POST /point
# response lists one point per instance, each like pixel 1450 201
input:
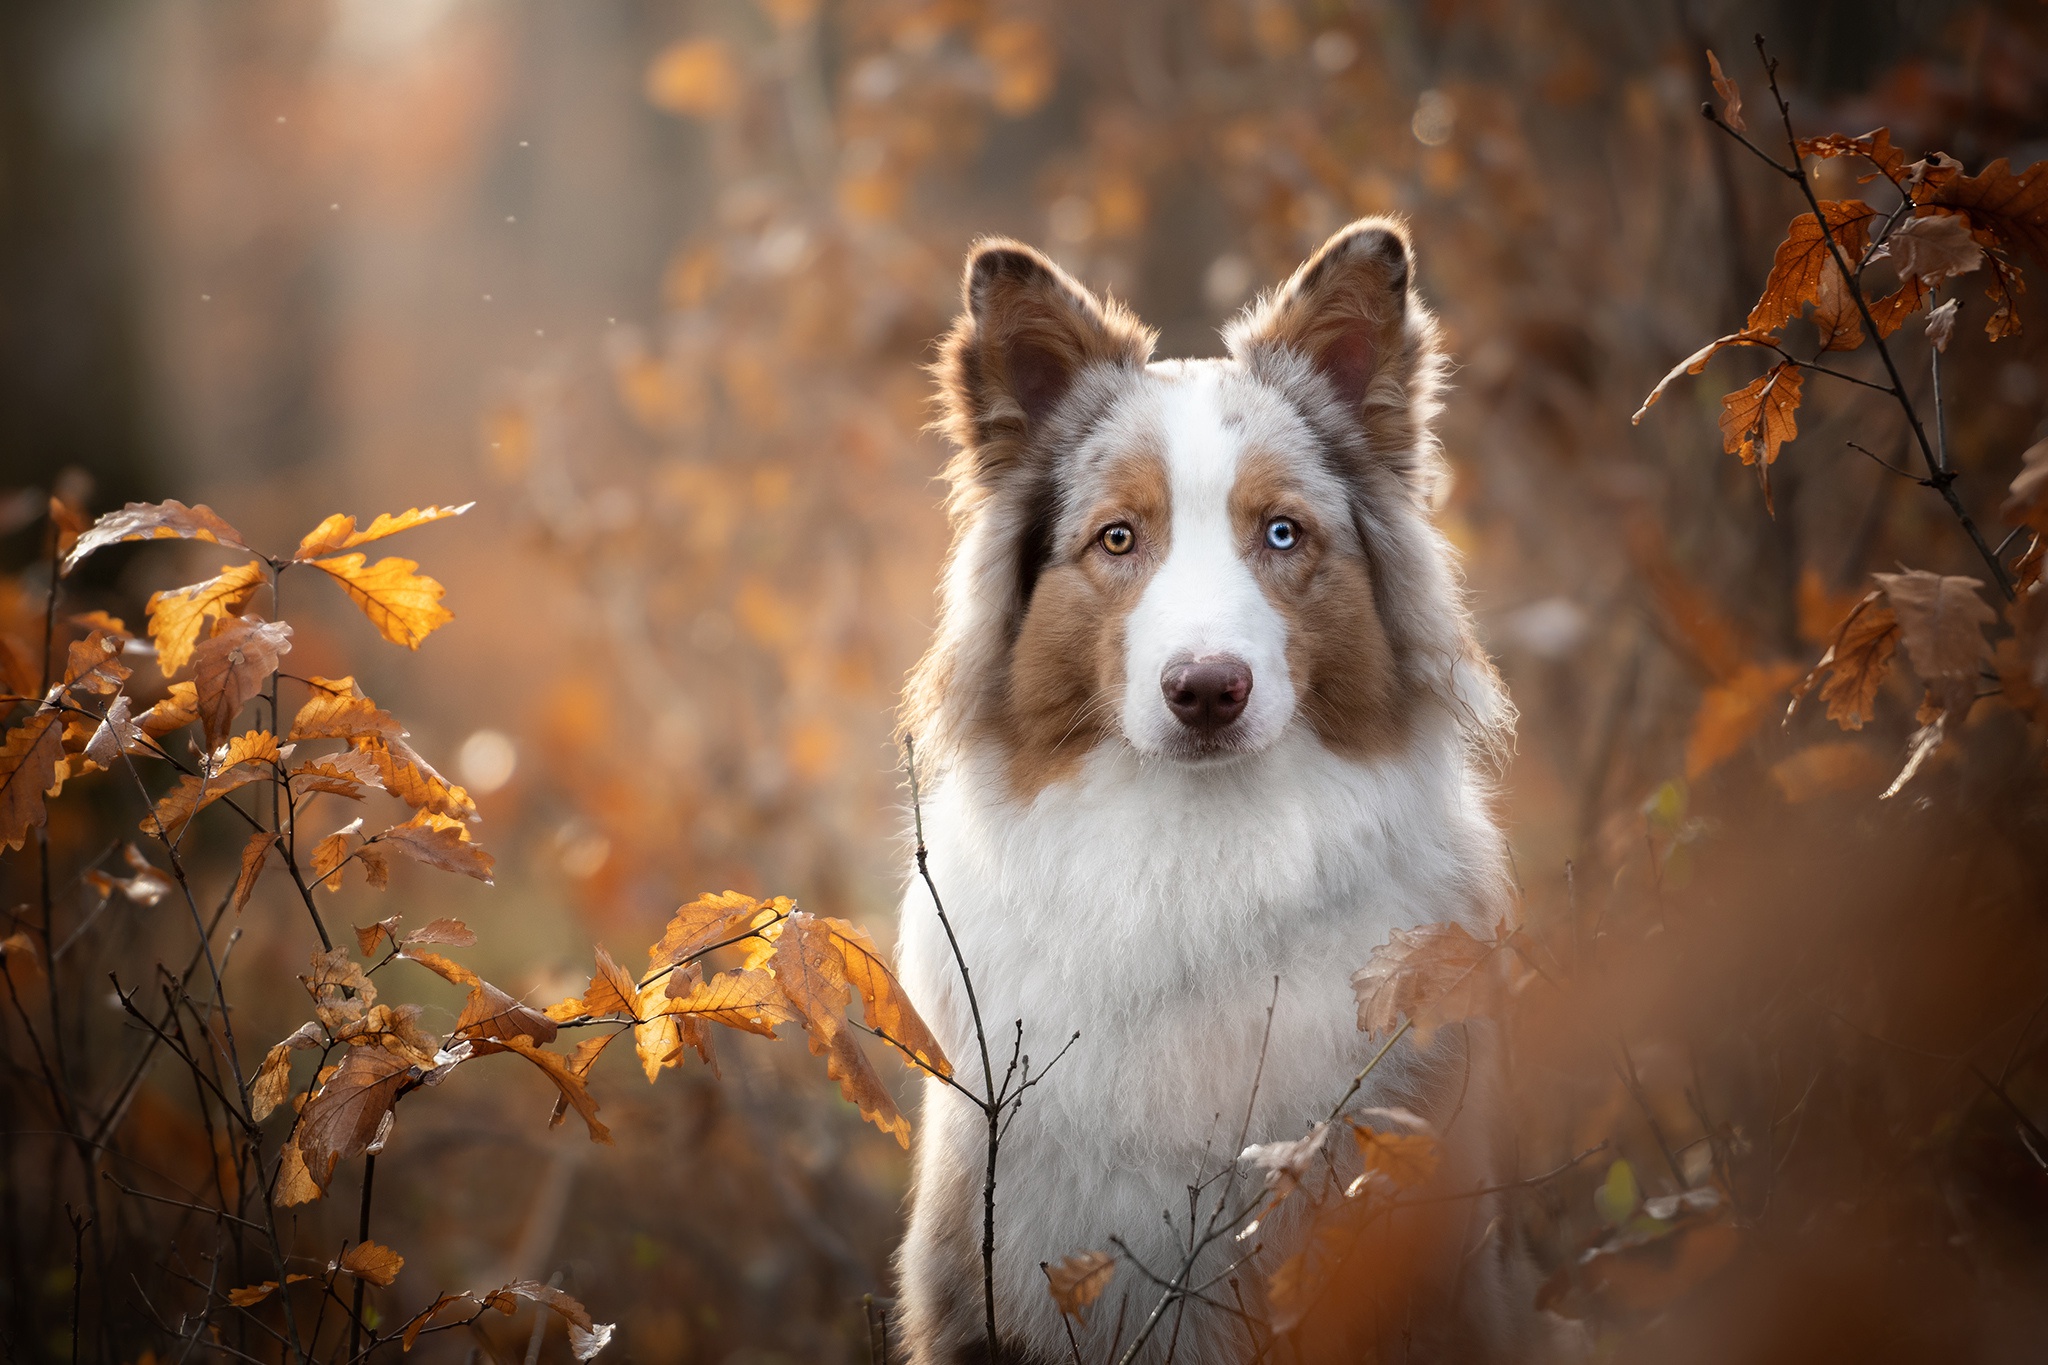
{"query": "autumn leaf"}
pixel 274 1078
pixel 413 780
pixel 1875 146
pixel 1283 1165
pixel 586 1338
pixel 436 841
pixel 1856 663
pixel 749 999
pixel 1835 316
pixel 295 1184
pixel 1941 622
pixel 1941 325
pixel 344 1115
pixel 251 1295
pixel 1078 1280
pixel 1795 276
pixel 330 853
pixel 115 735
pixel 611 991
pixel 146 887
pixel 662 1033
pixel 339 532
pixel 1731 95
pixel 177 710
pixel 247 758
pixel 491 1017
pixel 351 773
pixel 368 1261
pixel 832 949
pixel 446 968
pixel 1695 363
pixel 568 1082
pixel 1763 412
pixel 28 769
pixel 1407 1160
pixel 369 936
pixel 581 1059
pixel 710 919
pixel 848 1065
pixel 1434 974
pixel 1931 249
pixel 167 520
pixel 336 710
pixel 2014 208
pixel 1891 311
pixel 177 616
pixel 229 669
pixel 426 1316
pixel 340 989
pixel 404 606
pixel 93 665
pixel 1821 610
pixel 450 931
pixel 1732 711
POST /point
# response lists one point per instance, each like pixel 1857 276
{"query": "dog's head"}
pixel 1192 557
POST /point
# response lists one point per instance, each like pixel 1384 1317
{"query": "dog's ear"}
pixel 1346 312
pixel 1027 330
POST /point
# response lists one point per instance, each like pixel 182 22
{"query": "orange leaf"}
pixel 167 520
pixel 343 1117
pixel 1764 411
pixel 1407 1159
pixel 749 999
pixel 403 605
pixel 814 950
pixel 490 1017
pixel 711 918
pixel 413 780
pixel 336 710
pixel 28 769
pixel 1730 93
pixel 177 710
pixel 568 1082
pixel 447 968
pixel 1856 663
pixel 1795 275
pixel 611 991
pixel 295 1184
pixel 1078 1280
pixel 439 842
pixel 1434 974
pixel 229 669
pixel 339 532
pixel 254 853
pixel 254 1294
pixel 368 1261
pixel 178 616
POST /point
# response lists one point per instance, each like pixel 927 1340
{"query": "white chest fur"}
pixel 1150 907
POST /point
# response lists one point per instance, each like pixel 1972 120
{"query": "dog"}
pixel 1204 709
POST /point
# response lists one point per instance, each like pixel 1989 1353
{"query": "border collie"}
pixel 1204 709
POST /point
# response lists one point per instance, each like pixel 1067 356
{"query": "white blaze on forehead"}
pixel 1203 601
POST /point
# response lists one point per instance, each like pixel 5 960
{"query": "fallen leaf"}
pixel 404 606
pixel 1762 413
pixel 166 520
pixel 178 616
pixel 28 769
pixel 369 1261
pixel 339 532
pixel 230 668
pixel 1434 974
pixel 1795 276
pixel 1078 1280
pixel 1730 93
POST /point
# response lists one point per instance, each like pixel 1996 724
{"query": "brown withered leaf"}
pixel 1763 414
pixel 749 999
pixel 273 1083
pixel 568 1082
pixel 1834 312
pixel 254 854
pixel 1891 311
pixel 1941 325
pixel 166 520
pixel 178 616
pixel 1795 275
pixel 115 735
pixel 660 1036
pixel 1877 146
pixel 1695 363
pixel 1831 766
pixel 1078 1280
pixel 1931 249
pixel 586 1338
pixel 230 668
pixel 411 779
pixel 491 1017
pixel 1732 711
pixel 247 758
pixel 333 851
pixel 439 842
pixel 821 958
pixel 1941 622
pixel 1856 663
pixel 426 1316
pixel 1730 93
pixel 369 1261
pixel 2011 207
pixel 28 769
pixel 70 521
pixel 351 773
pixel 341 990
pixel 251 1295
pixel 404 606
pixel 450 931
pixel 711 918
pixel 1282 1165
pixel 368 936
pixel 295 1184
pixel 179 708
pixel 342 1118
pixel 1408 1160
pixel 446 968
pixel 612 990
pixel 336 710
pixel 848 1065
pixel 93 665
pixel 339 532
pixel 581 1058
pixel 1434 974
pixel 146 886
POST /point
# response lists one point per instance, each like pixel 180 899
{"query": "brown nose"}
pixel 1207 694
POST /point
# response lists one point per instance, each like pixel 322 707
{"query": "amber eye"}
pixel 1118 539
pixel 1282 533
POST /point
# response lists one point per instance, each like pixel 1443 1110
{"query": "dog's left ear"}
pixel 1348 315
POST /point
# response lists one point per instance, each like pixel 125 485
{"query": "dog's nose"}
pixel 1207 694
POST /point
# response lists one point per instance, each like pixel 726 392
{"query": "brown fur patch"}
pixel 1345 678
pixel 1066 681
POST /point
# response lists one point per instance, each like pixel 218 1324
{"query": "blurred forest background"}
pixel 652 281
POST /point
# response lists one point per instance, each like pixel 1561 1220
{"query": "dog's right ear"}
pixel 1027 330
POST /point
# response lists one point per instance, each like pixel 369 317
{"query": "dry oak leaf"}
pixel 586 1338
pixel 1078 1280
pixel 446 968
pixel 436 841
pixel 1891 311
pixel 274 1079
pixel 179 708
pixel 345 1115
pixel 709 920
pixel 250 1295
pixel 749 999
pixel 581 1058
pixel 426 1316
pixel 2014 208
pixel 28 769
pixel 1875 145
pixel 336 710
pixel 369 1261
pixel 146 887
pixel 340 989
pixel 351 773
pixel 178 616
pixel 1931 249
pixel 404 606
pixel 490 1017
pixel 611 991
pixel 567 1081
pixel 166 520
pixel 295 1184
pixel 411 779
pixel 116 735
pixel 450 931
pixel 1408 1160
pixel 1835 316
pixel 1856 663
pixel 1730 93
pixel 1763 413
pixel 1941 325
pixel 1434 974
pixel 339 532
pixel 1795 276
pixel 1941 622
pixel 396 1029
pixel 661 1034
pixel 247 758
pixel 332 852
pixel 848 1065
pixel 229 669
pixel 368 936
pixel 1831 766
pixel 1732 711
pixel 820 959
pixel 93 665
pixel 1697 362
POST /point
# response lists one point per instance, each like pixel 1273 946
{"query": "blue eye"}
pixel 1282 533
